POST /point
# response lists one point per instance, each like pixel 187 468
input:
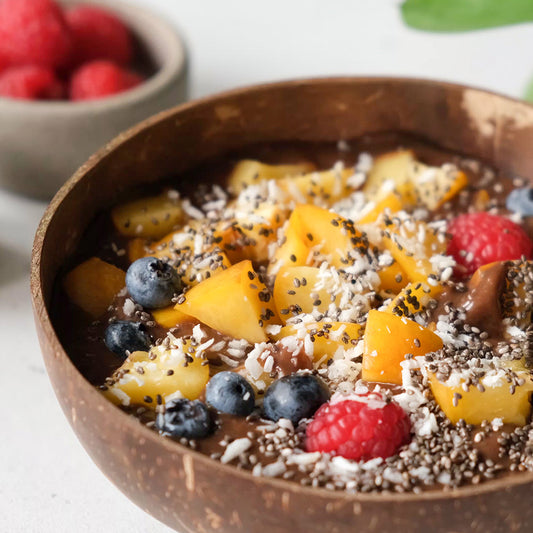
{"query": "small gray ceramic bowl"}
pixel 42 143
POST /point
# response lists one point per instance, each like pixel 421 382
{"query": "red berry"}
pixel 482 238
pixel 99 79
pixel 359 429
pixel 98 34
pixel 33 32
pixel 30 83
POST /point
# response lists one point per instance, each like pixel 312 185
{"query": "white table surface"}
pixel 47 481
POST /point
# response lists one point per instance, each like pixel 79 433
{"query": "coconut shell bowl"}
pixel 183 488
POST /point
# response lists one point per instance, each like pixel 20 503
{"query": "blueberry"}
pixel 185 418
pixel 152 283
pixel 131 336
pixel 229 392
pixel 521 201
pixel 294 397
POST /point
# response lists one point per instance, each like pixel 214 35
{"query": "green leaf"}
pixel 465 15
pixel 528 94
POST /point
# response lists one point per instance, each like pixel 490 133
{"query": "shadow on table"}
pixel 13 264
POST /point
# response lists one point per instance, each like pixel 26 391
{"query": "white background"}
pixel 47 482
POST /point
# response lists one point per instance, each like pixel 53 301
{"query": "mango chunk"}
pixel 321 188
pixel 136 249
pixel 144 376
pixel 390 202
pixel 413 243
pixel 387 340
pixel 93 285
pixel 413 299
pixel 474 406
pixel 234 301
pixel 251 172
pixel 170 317
pixel 295 292
pixel 434 186
pixel 252 233
pixel 393 278
pixel 393 168
pixel 326 338
pixel 150 217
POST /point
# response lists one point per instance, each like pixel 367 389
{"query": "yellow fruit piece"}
pixel 252 233
pixel 391 167
pixel 234 302
pixel 150 217
pixel 326 338
pixel 412 243
pixel 295 292
pixel 435 186
pixel 474 406
pixel 390 201
pixel 393 278
pixel 322 188
pixel 250 172
pixel 93 285
pixel 169 317
pixel 388 339
pixel 164 372
pixel 413 299
pixel 202 267
pixel 136 249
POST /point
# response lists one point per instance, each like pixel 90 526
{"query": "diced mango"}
pixel 412 243
pixel 150 217
pixel 393 278
pixel 253 233
pixel 321 188
pixel 394 167
pixel 390 202
pixel 164 372
pixel 169 317
pixel 327 338
pixel 388 339
pixel 250 172
pixel 435 186
pixel 235 302
pixel 413 299
pixel 93 285
pixel 295 292
pixel 474 406
pixel 136 249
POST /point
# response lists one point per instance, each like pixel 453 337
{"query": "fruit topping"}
pixel 294 397
pixel 228 392
pixel 93 285
pixel 362 427
pixel 30 83
pixel 34 32
pixel 98 34
pixel 152 283
pixel 124 337
pixel 481 238
pixel 520 201
pixel 185 419
pixel 99 79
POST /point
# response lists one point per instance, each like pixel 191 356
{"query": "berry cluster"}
pixel 47 53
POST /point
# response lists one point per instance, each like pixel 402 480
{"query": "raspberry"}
pixel 30 83
pixel 359 429
pixel 98 34
pixel 99 79
pixel 33 32
pixel 482 238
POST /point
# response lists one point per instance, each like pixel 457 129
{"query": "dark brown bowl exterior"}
pixel 189 491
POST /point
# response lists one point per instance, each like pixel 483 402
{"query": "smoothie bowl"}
pixel 302 306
